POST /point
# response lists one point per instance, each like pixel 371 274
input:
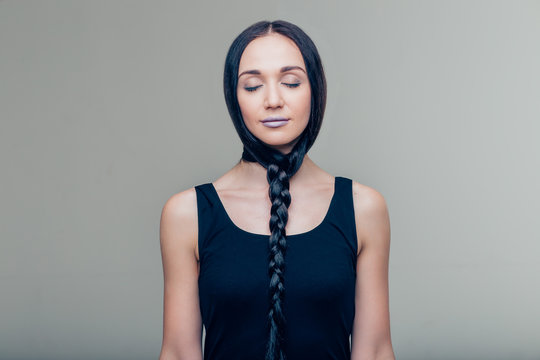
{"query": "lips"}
pixel 275 121
pixel 274 118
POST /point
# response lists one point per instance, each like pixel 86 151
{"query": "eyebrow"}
pixel 282 70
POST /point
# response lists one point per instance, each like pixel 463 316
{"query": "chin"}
pixel 282 146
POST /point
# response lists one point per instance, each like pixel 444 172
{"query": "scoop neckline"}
pixel 237 228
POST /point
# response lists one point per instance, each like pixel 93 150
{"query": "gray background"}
pixel 110 107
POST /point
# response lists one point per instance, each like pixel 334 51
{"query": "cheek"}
pixel 303 102
pixel 245 106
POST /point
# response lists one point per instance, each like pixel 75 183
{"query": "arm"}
pixel 182 324
pixel 370 338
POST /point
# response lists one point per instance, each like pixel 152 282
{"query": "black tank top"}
pixel 319 281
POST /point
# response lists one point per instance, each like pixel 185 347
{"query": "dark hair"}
pixel 280 167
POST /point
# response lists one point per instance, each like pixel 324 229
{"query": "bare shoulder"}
pixel 371 216
pixel 178 225
pixel 367 199
pixel 181 204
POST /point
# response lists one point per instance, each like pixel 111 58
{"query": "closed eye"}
pixel 292 85
pixel 252 88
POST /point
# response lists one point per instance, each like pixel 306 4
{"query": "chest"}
pixel 251 211
pixel 320 270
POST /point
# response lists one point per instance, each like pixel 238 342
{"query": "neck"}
pixel 254 174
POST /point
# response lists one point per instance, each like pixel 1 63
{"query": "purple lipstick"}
pixel 275 121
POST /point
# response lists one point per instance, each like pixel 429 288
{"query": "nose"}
pixel 273 98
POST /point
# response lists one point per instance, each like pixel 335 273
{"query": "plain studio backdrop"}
pixel 110 107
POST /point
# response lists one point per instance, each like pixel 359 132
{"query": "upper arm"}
pixel 182 324
pixel 371 328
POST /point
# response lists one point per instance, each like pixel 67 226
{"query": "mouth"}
pixel 274 118
pixel 275 121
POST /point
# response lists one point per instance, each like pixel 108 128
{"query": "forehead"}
pixel 270 52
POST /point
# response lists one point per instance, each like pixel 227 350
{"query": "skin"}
pixel 243 191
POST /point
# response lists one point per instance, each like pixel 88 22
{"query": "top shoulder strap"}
pixel 343 214
pixel 210 218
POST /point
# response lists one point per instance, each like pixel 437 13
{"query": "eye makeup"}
pixel 252 88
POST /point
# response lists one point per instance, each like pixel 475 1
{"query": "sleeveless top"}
pixel 319 281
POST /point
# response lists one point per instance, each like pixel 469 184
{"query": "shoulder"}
pixel 371 216
pixel 367 200
pixel 182 204
pixel 178 225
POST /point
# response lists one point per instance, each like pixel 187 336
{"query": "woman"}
pixel 278 258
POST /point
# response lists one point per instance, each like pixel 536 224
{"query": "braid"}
pixel 280 198
pixel 279 169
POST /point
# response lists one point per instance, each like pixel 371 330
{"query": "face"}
pixel 273 84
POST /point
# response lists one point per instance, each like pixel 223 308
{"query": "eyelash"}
pixel 251 89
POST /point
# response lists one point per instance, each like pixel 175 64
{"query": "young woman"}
pixel 278 258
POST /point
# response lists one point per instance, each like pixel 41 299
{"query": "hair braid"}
pixel 280 167
pixel 280 198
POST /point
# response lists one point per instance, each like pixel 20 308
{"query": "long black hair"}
pixel 280 167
